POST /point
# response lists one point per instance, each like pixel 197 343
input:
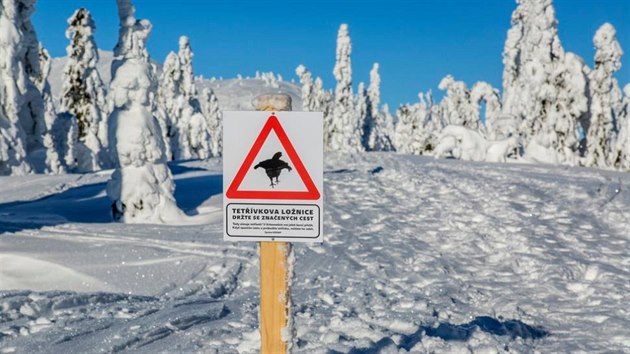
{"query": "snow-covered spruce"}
pixel 22 126
pixel 532 49
pixel 186 129
pixel 605 95
pixel 308 88
pixel 52 145
pixel 197 137
pixel 544 88
pixel 83 93
pixel 362 110
pixel 212 113
pixel 378 128
pixel 456 106
pixel 142 186
pixel 620 157
pixel 316 99
pixel 344 129
pixel 416 126
pixel 168 92
pixel 566 103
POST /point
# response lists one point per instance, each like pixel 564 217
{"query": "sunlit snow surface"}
pixel 420 255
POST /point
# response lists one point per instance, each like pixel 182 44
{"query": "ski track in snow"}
pixel 420 255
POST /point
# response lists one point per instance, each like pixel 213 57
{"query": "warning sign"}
pixel 273 176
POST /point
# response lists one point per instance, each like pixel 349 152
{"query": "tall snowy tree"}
pixel 167 101
pixel 379 131
pixel 362 110
pixel 212 112
pixel 457 107
pixel 605 94
pixel 52 139
pixel 187 132
pixel 532 51
pixel 308 88
pixel 345 131
pixel 83 92
pixel 142 186
pixel 22 122
pixel 543 88
pixel 194 130
pixel 620 157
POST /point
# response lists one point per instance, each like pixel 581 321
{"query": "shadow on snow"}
pixel 461 332
pixel 90 204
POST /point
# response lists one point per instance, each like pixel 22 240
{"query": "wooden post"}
pixel 274 266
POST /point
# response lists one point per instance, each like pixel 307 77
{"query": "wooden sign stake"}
pixel 274 267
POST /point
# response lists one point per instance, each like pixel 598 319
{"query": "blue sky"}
pixel 416 43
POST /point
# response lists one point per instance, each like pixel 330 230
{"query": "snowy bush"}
pixel 467 144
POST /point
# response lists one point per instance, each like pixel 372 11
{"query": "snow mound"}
pixel 21 272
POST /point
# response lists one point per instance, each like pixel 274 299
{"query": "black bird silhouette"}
pixel 273 167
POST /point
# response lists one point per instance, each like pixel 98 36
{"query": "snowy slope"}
pixel 233 94
pixel 419 255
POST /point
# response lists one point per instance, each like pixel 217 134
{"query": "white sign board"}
pixel 273 176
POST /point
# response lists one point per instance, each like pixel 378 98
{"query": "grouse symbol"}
pixel 273 167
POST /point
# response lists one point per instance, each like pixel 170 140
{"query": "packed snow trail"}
pixel 420 255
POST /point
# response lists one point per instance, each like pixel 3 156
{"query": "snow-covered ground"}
pixel 420 255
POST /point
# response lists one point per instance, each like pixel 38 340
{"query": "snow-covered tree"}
pixel 83 92
pixel 484 92
pixel 605 94
pixel 308 89
pixel 185 54
pixel 178 103
pixel 212 112
pixel 544 88
pixel 22 123
pixel 565 103
pixel 52 163
pixel 416 128
pixel 530 56
pixel 142 186
pixel 620 157
pixel 379 131
pixel 457 107
pixel 199 140
pixel 344 130
pixel 168 93
pixel 316 99
pixel 193 132
pixel 362 110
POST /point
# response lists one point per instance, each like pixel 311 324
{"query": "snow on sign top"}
pixel 273 176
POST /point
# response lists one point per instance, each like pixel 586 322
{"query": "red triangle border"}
pixel 311 192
